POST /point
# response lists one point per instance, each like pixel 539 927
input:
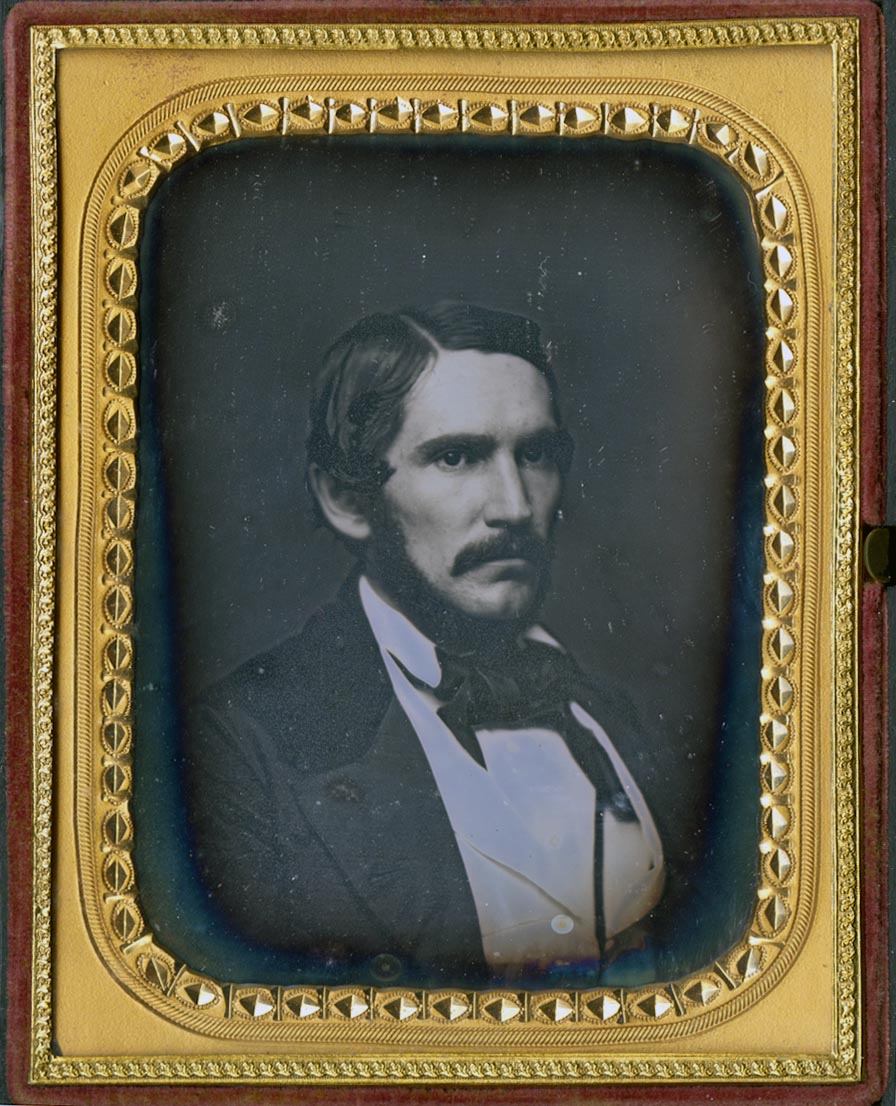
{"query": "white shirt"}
pixel 525 822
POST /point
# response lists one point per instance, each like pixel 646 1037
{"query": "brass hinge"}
pixel 880 554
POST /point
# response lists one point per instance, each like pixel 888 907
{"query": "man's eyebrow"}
pixel 482 444
pixel 432 447
pixel 545 434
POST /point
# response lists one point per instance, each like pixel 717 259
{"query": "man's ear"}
pixel 342 507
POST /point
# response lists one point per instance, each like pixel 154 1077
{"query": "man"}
pixel 422 787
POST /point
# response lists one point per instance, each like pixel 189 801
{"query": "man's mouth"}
pixel 508 568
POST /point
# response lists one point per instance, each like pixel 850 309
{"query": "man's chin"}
pixel 504 598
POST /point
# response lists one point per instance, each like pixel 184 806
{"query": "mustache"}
pixel 507 546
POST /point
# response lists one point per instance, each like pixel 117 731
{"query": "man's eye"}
pixel 452 458
pixel 534 454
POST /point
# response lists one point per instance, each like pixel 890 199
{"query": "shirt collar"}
pixel 399 636
pixel 396 634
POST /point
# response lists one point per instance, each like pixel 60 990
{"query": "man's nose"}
pixel 508 502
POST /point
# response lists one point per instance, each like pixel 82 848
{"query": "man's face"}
pixel 471 503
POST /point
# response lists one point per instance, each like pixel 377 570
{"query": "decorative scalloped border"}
pixel 199 1002
pixel 775 210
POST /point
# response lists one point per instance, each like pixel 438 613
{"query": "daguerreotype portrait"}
pixel 448 442
pixel 402 728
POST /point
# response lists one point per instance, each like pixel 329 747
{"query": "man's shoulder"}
pixel 323 689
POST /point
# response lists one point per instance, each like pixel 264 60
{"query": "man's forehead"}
pixel 475 392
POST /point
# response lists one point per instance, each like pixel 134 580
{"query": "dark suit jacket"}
pixel 317 822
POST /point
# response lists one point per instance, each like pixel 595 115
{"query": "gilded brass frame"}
pixel 500 1036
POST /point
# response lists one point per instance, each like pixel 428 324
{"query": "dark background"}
pixel 640 262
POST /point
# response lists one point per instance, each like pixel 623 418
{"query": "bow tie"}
pixel 528 685
pixel 521 685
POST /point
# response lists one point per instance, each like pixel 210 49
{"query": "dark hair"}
pixel 358 401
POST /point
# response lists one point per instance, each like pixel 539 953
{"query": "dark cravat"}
pixel 528 685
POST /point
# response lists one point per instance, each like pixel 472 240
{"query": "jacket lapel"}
pixel 384 824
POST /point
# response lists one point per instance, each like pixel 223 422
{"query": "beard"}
pixel 434 613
